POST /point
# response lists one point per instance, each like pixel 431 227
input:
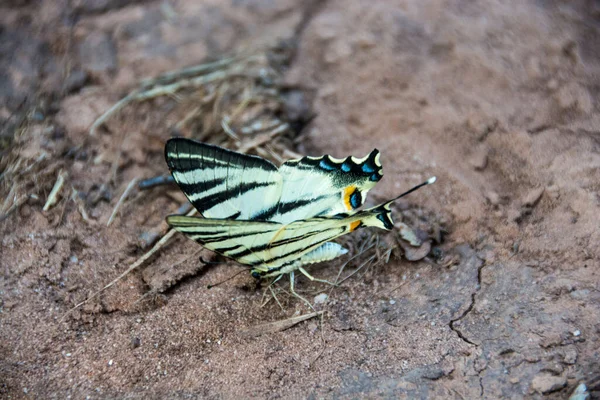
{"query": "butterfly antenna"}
pixel 427 182
pixel 225 280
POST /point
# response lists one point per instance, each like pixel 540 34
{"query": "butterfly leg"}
pixel 292 279
pixel 312 278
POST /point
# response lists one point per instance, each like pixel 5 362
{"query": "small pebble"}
pixel 321 298
pixel 545 383
pixel 392 302
pixel 478 159
pixel 135 342
pixel 576 333
pixel 493 197
pixel 533 196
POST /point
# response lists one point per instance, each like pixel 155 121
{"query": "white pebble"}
pixel 321 298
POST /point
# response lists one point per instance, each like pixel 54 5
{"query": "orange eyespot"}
pixel 347 197
pixel 354 225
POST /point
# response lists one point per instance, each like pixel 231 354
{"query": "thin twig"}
pixel 227 129
pixel 128 189
pixel 108 113
pixel 55 190
pixel 278 326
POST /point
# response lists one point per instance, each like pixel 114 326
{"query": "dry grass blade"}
pixel 53 196
pixel 129 188
pixel 172 82
pixel 278 326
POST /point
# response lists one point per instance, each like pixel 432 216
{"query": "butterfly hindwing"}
pixel 269 246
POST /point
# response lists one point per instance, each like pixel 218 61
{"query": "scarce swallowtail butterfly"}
pixel 275 220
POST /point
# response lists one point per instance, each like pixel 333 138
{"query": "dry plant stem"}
pixel 80 205
pixel 129 188
pixel 263 139
pixel 337 281
pixel 16 204
pixel 368 260
pixel 55 190
pixel 161 90
pixel 133 266
pixel 279 326
pixel 189 72
pixel 108 113
pixel 227 129
pixel 275 297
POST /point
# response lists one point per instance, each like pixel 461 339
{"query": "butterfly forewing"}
pixel 221 183
pixel 224 184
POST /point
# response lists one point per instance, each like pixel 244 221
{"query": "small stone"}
pixel 575 97
pixel 478 159
pixel 580 393
pixel 581 294
pixel 533 68
pixel 110 363
pixel 577 333
pixel 545 383
pixel 553 191
pixel 514 215
pixel 135 342
pixel 412 253
pixel 514 380
pixel 408 234
pixel 570 355
pixel 392 302
pixel 551 340
pixel 321 298
pixel 533 197
pixel 493 198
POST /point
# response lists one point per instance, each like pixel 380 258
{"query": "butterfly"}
pixel 274 220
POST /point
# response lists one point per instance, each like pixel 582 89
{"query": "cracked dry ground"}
pixel 499 100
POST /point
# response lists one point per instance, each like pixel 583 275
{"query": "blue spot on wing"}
pixel 346 167
pixel 324 164
pixel 375 177
pixel 367 168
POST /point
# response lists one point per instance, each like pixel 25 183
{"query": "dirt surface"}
pixel 500 100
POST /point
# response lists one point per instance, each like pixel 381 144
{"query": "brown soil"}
pixel 500 100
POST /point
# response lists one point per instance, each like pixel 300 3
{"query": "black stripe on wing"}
pixel 283 208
